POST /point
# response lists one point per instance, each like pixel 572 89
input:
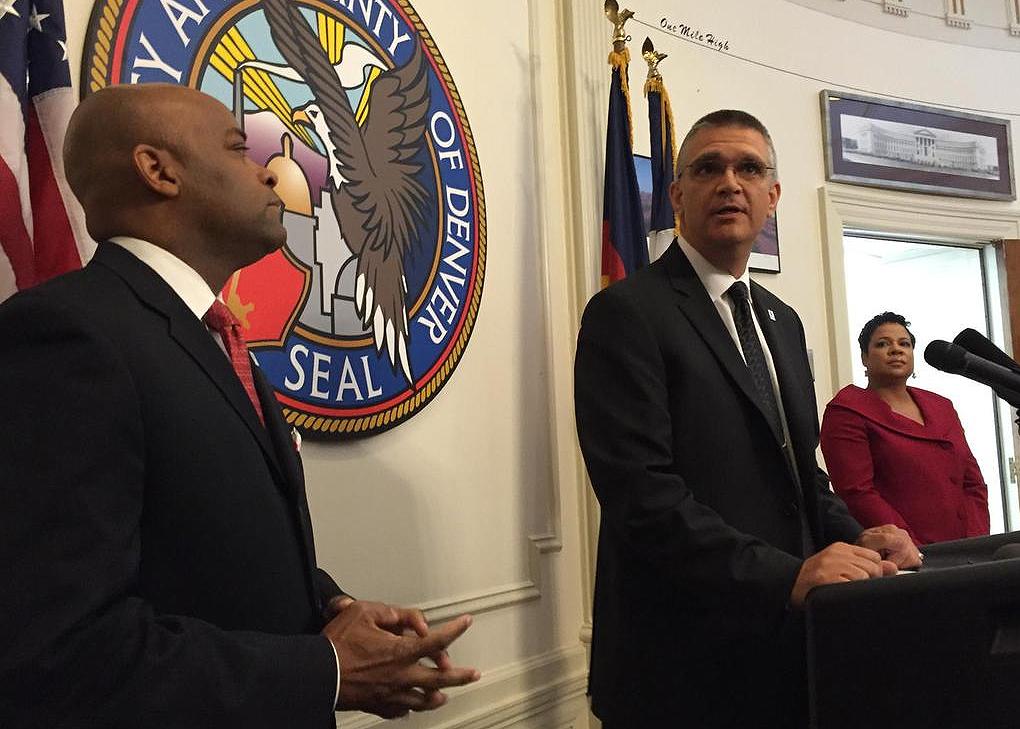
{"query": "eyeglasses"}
pixel 747 170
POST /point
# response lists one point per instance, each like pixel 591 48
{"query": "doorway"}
pixel 941 288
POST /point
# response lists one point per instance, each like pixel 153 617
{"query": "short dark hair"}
pixel 886 317
pixel 729 118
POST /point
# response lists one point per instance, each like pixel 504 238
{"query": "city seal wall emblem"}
pixel 364 314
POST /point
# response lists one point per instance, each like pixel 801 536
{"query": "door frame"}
pixel 916 217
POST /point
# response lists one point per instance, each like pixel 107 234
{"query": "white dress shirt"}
pixel 182 278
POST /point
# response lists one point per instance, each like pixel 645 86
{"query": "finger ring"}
pixel 920 556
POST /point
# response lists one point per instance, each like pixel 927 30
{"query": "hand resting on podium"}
pixel 879 551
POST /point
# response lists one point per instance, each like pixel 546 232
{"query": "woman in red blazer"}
pixel 897 454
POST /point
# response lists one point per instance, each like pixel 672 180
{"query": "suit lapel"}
pixel 784 342
pixel 782 345
pixel 294 480
pixel 867 404
pixel 279 435
pixel 191 335
pixel 704 317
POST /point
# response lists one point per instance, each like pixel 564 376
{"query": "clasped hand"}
pixel 878 551
pixel 380 649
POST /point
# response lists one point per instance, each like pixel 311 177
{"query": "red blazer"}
pixel 890 470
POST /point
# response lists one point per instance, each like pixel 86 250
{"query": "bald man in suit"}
pixel 156 549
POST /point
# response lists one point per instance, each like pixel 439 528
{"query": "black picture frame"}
pixel 905 146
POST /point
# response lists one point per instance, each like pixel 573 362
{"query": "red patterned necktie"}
pixel 220 319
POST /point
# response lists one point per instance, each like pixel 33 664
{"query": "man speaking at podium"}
pixel 156 555
pixel 697 419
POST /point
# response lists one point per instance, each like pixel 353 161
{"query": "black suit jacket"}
pixel 702 521
pixel 157 560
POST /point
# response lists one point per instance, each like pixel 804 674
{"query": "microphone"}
pixel 1006 551
pixel 958 361
pixel 978 344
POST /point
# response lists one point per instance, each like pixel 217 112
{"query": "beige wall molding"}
pixel 1013 14
pixel 896 7
pixel 956 14
pixel 585 79
pixel 500 596
pixel 544 691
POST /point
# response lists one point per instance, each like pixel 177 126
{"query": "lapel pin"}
pixel 772 315
pixel 295 438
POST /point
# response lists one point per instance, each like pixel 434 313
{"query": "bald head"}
pixel 170 165
pixel 103 134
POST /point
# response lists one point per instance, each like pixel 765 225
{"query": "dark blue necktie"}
pixel 755 357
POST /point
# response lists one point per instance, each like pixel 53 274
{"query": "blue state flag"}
pixel 624 246
pixel 662 143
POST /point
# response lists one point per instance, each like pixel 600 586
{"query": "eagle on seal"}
pixel 373 175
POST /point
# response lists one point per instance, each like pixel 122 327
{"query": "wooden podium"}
pixel 939 649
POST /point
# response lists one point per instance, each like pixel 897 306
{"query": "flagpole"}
pixel 624 244
pixel 663 150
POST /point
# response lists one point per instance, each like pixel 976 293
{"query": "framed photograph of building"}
pixel 902 146
pixel 764 253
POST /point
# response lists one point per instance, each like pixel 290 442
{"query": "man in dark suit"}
pixel 698 424
pixel 156 552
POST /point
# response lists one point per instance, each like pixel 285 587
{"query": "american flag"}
pixel 42 227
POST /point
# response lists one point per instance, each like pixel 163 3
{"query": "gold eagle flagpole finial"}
pixel 652 58
pixel 619 19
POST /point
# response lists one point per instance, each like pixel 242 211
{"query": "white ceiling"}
pixel 991 22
